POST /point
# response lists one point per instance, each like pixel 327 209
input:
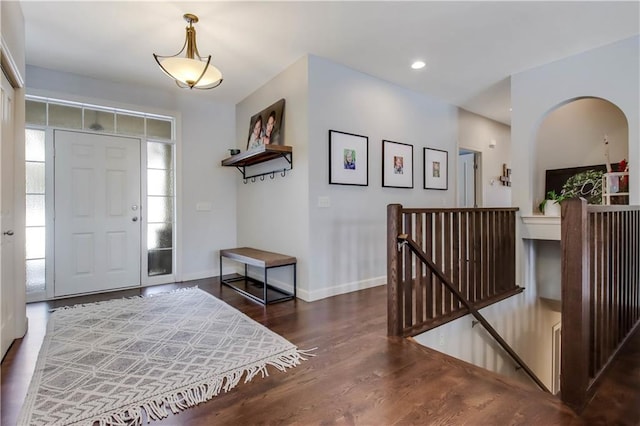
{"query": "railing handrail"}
pixel 459 209
pixel 404 238
pixel 596 208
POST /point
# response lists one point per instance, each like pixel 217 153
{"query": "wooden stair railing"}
pixel 474 247
pixel 404 239
pixel 600 292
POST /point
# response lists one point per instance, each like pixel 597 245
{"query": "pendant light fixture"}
pixel 192 70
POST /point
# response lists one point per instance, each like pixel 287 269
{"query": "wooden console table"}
pixel 259 291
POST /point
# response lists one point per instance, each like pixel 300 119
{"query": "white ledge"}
pixel 540 227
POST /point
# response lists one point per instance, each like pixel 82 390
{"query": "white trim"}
pixel 200 275
pixel 311 296
pixel 15 78
pixel 58 97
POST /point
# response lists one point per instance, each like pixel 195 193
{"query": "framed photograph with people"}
pixel 348 159
pixel 397 164
pixel 267 127
pixel 436 169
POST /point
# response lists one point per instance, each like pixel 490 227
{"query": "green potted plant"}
pixel 550 206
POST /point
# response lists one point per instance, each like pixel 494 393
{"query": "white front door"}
pixel 7 284
pixel 97 212
pixel 466 180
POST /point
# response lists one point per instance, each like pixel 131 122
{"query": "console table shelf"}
pixel 259 155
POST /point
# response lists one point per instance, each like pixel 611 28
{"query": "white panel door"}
pixel 97 212
pixel 7 284
pixel 466 180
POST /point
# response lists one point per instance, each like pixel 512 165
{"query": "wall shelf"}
pixel 260 155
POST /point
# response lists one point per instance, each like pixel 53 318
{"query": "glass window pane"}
pixel 159 235
pixel 34 145
pixel 35 210
pixel 159 209
pixel 158 128
pixel 129 124
pixel 35 275
pixel 159 156
pixel 160 262
pixel 35 242
pixel 35 178
pixel 99 121
pixel 65 116
pixel 36 112
pixel 159 182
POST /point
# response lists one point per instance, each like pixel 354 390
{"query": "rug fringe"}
pixel 180 400
pixel 122 299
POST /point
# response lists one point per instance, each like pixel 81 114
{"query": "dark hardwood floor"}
pixel 358 376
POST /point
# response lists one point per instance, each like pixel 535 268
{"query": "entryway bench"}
pixel 259 291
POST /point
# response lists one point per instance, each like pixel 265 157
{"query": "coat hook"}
pixel 284 173
pixel 253 179
pixel 273 175
pixel 245 181
pixel 262 178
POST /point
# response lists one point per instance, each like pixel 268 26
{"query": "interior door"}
pixel 7 284
pixel 466 180
pixel 97 212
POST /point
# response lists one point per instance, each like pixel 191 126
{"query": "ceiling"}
pixel 471 48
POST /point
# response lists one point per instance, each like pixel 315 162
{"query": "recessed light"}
pixel 418 65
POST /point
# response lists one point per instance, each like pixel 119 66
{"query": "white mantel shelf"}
pixel 540 227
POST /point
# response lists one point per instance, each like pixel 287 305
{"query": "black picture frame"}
pixel 436 169
pixel 397 164
pixel 348 159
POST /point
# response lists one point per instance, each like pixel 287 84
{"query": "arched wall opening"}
pixel 572 135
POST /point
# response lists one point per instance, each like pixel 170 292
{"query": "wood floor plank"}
pixel 359 376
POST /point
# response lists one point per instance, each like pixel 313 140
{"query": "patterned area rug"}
pixel 116 362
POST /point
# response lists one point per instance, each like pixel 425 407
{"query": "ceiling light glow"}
pixel 418 65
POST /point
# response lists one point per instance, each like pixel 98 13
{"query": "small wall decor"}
pixel 397 164
pixel 506 175
pixel 267 127
pixel 436 169
pixel 348 159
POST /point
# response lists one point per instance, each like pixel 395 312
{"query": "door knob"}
pixel 135 218
pixel 9 232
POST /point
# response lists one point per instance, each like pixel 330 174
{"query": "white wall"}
pixel 273 214
pixel 12 28
pixel 348 239
pixel 609 72
pixel 475 132
pixel 206 130
pixel 572 136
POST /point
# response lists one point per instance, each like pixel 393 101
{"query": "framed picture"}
pixel 397 164
pixel 348 159
pixel 436 169
pixel 267 127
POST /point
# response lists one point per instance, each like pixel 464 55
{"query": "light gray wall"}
pixel 12 28
pixel 205 131
pixel 273 214
pixel 609 72
pixel 573 135
pixel 348 239
pixel 475 132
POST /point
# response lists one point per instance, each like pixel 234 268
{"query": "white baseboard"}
pixel 306 295
pixel 198 275
pixel 323 293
